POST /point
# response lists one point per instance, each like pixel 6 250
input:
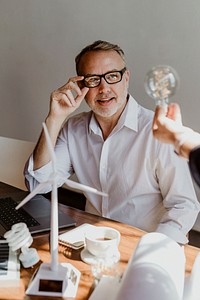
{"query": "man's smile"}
pixel 105 101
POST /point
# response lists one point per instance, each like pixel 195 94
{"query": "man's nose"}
pixel 104 85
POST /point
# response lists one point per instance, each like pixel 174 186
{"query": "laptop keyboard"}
pixel 10 216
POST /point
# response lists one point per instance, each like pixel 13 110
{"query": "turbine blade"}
pixel 50 146
pixel 84 188
pixel 31 195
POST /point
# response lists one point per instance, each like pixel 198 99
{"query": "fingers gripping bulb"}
pixel 18 238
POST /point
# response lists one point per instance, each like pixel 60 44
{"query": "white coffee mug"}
pixel 103 241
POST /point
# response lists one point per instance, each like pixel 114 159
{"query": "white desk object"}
pixel 9 266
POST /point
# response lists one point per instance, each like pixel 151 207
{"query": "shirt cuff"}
pixel 173 233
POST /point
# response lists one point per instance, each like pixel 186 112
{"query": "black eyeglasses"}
pixel 113 77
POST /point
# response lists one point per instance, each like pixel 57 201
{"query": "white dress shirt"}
pixel 149 186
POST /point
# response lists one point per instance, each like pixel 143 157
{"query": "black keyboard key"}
pixel 4 255
pixel 10 216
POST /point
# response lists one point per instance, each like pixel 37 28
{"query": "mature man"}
pixel 111 148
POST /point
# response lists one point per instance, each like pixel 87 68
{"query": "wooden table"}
pixel 129 238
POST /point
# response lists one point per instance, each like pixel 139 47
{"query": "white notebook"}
pixel 75 238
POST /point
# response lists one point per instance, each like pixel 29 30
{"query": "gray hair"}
pixel 98 46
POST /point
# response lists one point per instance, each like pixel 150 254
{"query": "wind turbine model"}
pixel 55 279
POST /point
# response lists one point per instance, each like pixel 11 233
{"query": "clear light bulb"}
pixel 161 83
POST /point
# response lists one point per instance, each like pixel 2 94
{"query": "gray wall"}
pixel 40 38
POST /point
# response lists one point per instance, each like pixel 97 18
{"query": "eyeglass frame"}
pixel 104 77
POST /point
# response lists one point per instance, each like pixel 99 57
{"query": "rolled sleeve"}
pixel 179 200
pixel 33 178
pixel 178 221
pixel 173 232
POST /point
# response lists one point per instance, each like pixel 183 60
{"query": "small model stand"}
pixel 62 282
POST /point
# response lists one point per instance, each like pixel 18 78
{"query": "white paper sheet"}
pixel 155 271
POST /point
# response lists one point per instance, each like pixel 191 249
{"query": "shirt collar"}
pixel 128 118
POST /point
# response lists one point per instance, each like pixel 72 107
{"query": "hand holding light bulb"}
pixel 161 83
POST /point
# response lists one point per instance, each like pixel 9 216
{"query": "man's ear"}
pixel 127 77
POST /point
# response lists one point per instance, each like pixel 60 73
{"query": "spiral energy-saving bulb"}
pixel 19 237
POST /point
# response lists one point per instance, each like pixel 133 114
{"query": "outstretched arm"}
pixel 168 128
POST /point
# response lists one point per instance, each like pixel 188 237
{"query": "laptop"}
pixel 36 213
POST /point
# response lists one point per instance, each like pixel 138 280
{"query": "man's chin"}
pixel 104 113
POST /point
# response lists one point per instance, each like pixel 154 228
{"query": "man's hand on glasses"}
pixel 67 98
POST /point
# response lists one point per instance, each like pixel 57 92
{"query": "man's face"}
pixel 105 100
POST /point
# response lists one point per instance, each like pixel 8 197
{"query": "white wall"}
pixel 14 154
pixel 40 38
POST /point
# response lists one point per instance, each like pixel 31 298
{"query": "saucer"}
pixel 90 259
